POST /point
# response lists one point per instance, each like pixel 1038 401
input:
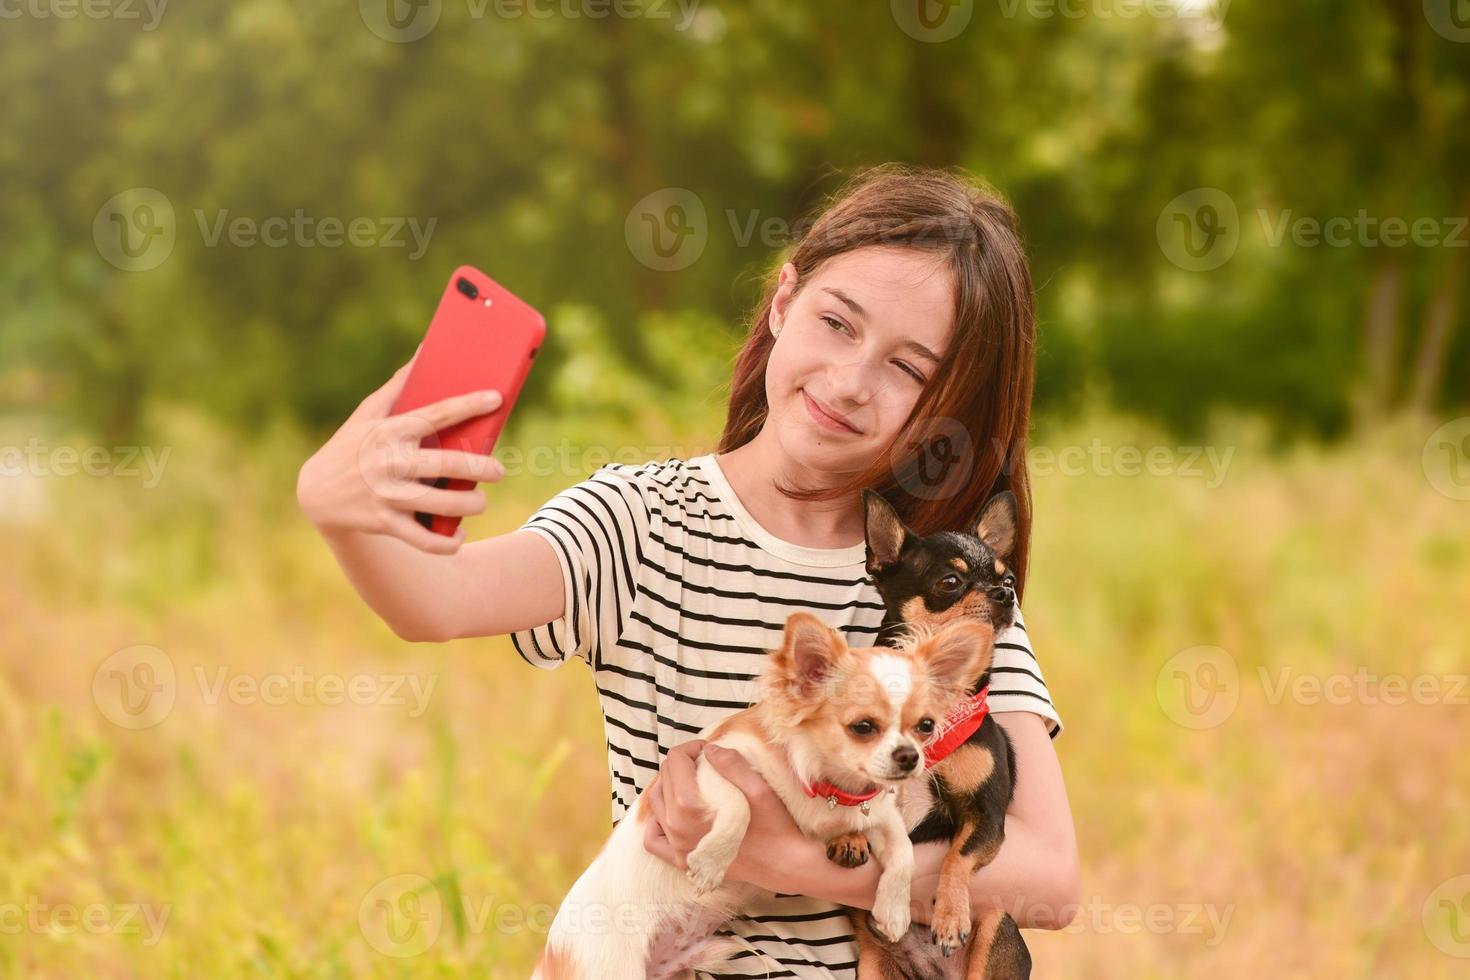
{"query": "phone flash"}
pixel 487 301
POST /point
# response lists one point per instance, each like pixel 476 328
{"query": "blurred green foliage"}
pixel 523 143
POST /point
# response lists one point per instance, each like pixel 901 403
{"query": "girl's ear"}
pixel 997 525
pixel 886 533
pixel 781 300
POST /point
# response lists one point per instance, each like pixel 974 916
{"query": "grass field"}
pixel 1254 792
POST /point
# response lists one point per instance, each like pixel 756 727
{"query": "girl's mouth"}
pixel 824 418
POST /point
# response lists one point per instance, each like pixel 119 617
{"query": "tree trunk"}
pixel 1381 340
pixel 1444 310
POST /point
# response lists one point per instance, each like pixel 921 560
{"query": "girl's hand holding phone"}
pixel 366 477
pixel 405 463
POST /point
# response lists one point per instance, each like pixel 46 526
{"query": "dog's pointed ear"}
pixel 957 654
pixel 886 532
pixel 809 651
pixel 997 525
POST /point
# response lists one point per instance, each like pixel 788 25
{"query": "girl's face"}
pixel 859 341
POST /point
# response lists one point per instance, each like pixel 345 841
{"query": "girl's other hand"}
pixel 680 820
pixel 366 477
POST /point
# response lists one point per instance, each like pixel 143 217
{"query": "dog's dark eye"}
pixel 864 727
pixel 925 726
pixel 949 583
pixel 1009 581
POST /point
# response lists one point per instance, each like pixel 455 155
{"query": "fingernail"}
pixel 491 398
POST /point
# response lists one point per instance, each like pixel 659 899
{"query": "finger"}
pixel 658 844
pixel 404 526
pixel 656 804
pixel 458 465
pixel 650 836
pixel 440 415
pixel 378 404
pixel 658 808
pixel 432 500
pixel 683 775
pixel 734 767
pixel 690 748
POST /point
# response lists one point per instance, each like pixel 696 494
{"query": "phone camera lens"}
pixel 468 288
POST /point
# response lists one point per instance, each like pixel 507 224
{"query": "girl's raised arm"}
pixel 361 490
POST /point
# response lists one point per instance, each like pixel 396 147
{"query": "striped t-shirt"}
pixel 673 596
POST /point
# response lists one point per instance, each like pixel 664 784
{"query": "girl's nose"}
pixel 850 384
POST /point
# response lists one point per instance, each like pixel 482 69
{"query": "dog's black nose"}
pixel 1003 594
pixel 906 756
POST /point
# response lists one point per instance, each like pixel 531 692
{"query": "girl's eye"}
pixel 910 371
pixel 925 726
pixel 907 368
pixel 864 727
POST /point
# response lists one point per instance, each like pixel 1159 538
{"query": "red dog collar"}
pixel 836 797
pixel 957 727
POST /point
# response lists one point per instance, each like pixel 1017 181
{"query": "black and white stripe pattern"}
pixel 673 596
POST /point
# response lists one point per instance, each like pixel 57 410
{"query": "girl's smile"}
pixel 827 418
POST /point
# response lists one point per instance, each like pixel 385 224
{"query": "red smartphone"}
pixel 482 336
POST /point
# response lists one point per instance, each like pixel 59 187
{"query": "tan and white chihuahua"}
pixel 836 732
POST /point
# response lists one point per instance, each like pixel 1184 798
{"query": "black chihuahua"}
pixel 926 582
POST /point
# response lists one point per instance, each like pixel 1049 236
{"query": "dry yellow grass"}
pixel 240 836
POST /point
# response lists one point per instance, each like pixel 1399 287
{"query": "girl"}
pixel 894 350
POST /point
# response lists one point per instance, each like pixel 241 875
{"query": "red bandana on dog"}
pixel 957 727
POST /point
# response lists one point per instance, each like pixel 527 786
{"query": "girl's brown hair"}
pixel 982 391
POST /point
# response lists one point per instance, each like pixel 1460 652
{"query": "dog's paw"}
pixel 848 850
pixel 706 869
pixel 891 915
pixel 949 926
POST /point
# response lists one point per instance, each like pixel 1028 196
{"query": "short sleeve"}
pixel 594 528
pixel 1016 683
